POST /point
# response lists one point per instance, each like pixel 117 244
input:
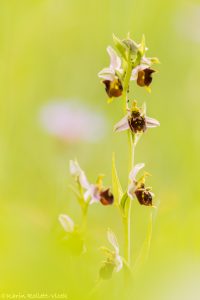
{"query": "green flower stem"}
pixel 127 81
pixel 127 233
pixel 84 217
pixel 127 216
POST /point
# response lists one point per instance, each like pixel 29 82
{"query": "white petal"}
pixel 66 222
pixel 146 60
pixel 109 77
pixel 122 124
pixel 113 240
pixel 151 123
pixel 107 71
pixel 135 170
pixel 115 61
pixel 135 71
pixel 131 190
pixel 118 263
pixel 107 74
pixel 94 193
pixel 76 171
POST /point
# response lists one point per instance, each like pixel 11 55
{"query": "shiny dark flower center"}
pixel 144 196
pixel 106 197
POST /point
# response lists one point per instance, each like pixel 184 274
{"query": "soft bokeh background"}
pixel 51 51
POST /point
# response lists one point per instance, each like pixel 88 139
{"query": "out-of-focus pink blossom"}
pixel 72 122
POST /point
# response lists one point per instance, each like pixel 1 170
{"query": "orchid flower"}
pixel 142 72
pixel 111 75
pixel 137 188
pixel 136 120
pixel 113 261
pixel 117 258
pixel 91 192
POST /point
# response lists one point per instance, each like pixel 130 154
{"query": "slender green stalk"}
pixel 127 216
pixel 84 217
pixel 127 233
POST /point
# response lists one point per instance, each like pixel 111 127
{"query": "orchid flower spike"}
pixel 113 261
pixel 91 192
pixel 112 74
pixel 137 188
pixel 136 120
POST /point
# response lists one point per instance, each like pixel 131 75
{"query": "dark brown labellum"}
pixel 145 77
pixel 144 196
pixel 113 88
pixel 106 197
pixel 137 122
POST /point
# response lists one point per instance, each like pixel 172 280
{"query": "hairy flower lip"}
pixel 106 197
pixel 144 196
pixel 137 122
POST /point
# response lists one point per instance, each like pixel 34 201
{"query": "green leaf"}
pixel 117 189
pixel 121 47
pixel 78 194
pixel 123 201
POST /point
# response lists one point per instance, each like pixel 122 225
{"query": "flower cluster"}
pixel 140 66
pixel 128 63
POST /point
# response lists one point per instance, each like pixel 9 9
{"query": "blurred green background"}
pixel 53 49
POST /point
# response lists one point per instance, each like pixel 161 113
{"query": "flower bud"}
pixel 131 45
pixel 137 122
